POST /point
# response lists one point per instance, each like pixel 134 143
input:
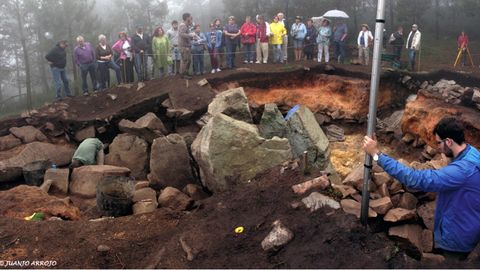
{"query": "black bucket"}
pixel 33 172
pixel 115 196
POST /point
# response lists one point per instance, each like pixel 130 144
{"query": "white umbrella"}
pixel 336 14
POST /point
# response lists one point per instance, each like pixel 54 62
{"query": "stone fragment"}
pixel 335 133
pixel 232 103
pixel 381 206
pixel 410 232
pixel 408 201
pixel 430 150
pixel 427 241
pixel 427 213
pixel 396 187
pixel 85 179
pixel 383 190
pixel 174 199
pixel 345 190
pixel 382 178
pixel 399 214
pixel 28 134
pixel 355 178
pixel 353 207
pixel 272 123
pixel 316 201
pixel 131 152
pixel 433 259
pixel 152 122
pixel 321 182
pixel 9 142
pixel 145 206
pixel 195 192
pixel 88 132
pixel 60 179
pixel 408 138
pixel 141 184
pixel 476 96
pixel 144 194
pixel 149 127
pixel 278 237
pixel 103 248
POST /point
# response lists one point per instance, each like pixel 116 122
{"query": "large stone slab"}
pixel 60 179
pixel 306 135
pixel 85 179
pixel 272 123
pixel 232 103
pixel 28 134
pixel 60 155
pixel 230 152
pixel 131 152
pixel 170 163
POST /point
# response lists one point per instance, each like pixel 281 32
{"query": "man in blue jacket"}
pixel 457 214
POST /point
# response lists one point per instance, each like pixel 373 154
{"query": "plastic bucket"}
pixel 115 196
pixel 33 172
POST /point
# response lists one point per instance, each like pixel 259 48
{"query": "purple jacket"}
pixel 84 55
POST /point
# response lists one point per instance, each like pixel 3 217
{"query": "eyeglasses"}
pixel 442 141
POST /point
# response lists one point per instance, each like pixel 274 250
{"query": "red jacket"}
pixel 248 32
pixel 462 41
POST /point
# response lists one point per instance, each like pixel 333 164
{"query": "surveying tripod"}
pixel 460 52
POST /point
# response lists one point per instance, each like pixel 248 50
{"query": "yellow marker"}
pixel 239 229
pixel 30 217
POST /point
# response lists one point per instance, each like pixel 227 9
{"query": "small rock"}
pixel 174 199
pixel 434 259
pixel 427 213
pixel 335 133
pixel 408 201
pixel 112 96
pixel 202 82
pixel 405 79
pixel 383 190
pixel 382 178
pixel 195 192
pixel 354 208
pixel 103 248
pixel 316 201
pixel 101 130
pixel 396 187
pixel 399 214
pixel 141 184
pixel 430 150
pixel 278 237
pixel 345 190
pixel 319 182
pixel 424 85
pixel 408 138
pixel 144 206
pixel 381 206
pixel 411 232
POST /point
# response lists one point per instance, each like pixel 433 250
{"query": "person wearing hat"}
pixel 413 45
pixel 57 58
pixel 298 32
pixel 364 40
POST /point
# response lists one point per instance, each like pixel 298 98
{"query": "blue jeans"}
pixel 340 52
pixel 231 49
pixel 141 66
pixel 397 51
pixel 104 72
pixel 60 76
pixel 88 69
pixel 277 53
pixel 198 65
pixel 249 52
pixel 411 56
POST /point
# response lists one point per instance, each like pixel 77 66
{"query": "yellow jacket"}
pixel 278 31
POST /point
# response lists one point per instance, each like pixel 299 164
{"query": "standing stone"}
pixel 28 134
pixel 174 199
pixel 170 163
pixel 85 179
pixel 229 152
pixel 232 103
pixel 306 135
pixel 59 178
pixel 88 132
pixel 272 123
pixel 9 142
pixel 131 152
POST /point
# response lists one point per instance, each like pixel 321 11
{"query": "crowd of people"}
pixel 184 45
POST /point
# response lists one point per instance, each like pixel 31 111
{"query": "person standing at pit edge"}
pixel 85 59
pixel 365 38
pixel 413 45
pixel 57 58
pixel 172 35
pixel 185 38
pixel 457 213
pixel 276 39
pixel 283 21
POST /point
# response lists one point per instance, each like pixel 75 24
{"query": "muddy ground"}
pixel 323 239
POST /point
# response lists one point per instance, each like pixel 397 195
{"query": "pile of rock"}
pixel 394 203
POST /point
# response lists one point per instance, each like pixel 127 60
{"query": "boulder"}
pixel 381 206
pixel 230 151
pixel 174 199
pixel 335 133
pixel 22 201
pixel 345 190
pixel 399 214
pixel 321 182
pixel 59 179
pixel 353 207
pixel 9 142
pixel 144 194
pixel 272 123
pixel 232 103
pixel 427 213
pixel 148 127
pixel 28 134
pixel 278 237
pixel 60 155
pixel 131 152
pixel 88 132
pixel 316 201
pixel 195 192
pixel 413 233
pixel 85 179
pixel 145 206
pixel 408 201
pixel 305 134
pixel 170 163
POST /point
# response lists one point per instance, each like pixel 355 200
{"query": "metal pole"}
pixel 372 112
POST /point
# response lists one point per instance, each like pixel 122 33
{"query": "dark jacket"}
pixel 398 41
pixel 58 57
pixel 141 44
pixel 100 52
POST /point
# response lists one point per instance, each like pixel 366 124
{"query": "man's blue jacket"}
pixel 457 214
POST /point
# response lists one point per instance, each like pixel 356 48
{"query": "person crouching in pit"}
pixel 89 152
